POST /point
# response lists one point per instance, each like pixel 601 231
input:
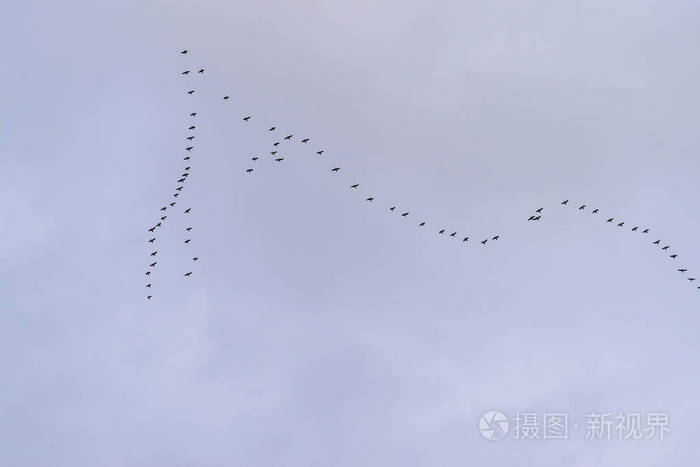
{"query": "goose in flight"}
pixel 466 239
pixel 190 92
pixel 149 296
pixel 537 218
pixel 184 51
pixel 674 256
pixel 225 98
pixel 666 247
pixel 152 240
pixel 187 168
pixel 176 195
pixel 181 180
pixel 186 158
pixel 370 199
pixel 355 185
pixel 193 114
pixel 635 228
pixel 188 274
pixel 335 169
pixel 496 237
pixel 305 140
pixel 172 204
pixel 190 138
pixel 421 224
pixel 484 241
pixel 539 210
pixel 189 148
pixel 272 128
pixel 192 127
pixel 392 208
pixel 288 137
pixel 151 229
pixel 595 211
pixel 581 208
pixel 620 224
pixel 691 279
pixel 453 234
pixel 179 188
pixel 162 218
pixel 185 72
pixel 187 210
pixel 565 202
pixel 645 231
pixel 148 286
pixel 158 224
pixel 154 253
pixel 279 159
pixel 610 220
pixel 195 258
pixel 404 214
pixel 657 242
pixel 148 273
pixel 201 70
pixel 188 240
pixel 682 270
pixel 254 158
pixel 273 152
pixel 163 208
pixel 188 229
pixel 531 218
pixel 246 118
pixel 442 231
pixel 153 264
pixel 276 144
pixel 319 152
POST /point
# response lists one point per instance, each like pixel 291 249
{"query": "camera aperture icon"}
pixel 494 425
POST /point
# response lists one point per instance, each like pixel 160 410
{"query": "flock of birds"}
pixel 278 158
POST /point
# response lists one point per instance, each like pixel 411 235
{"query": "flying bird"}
pixel 595 211
pixel 682 270
pixel 185 72
pixel 645 231
pixel 225 98
pixel 190 138
pixel 453 234
pixel 163 218
pixel 188 229
pixel 319 152
pixel 657 242
pixel 484 242
pixel 392 208
pixel 201 70
pixel 154 253
pixel 188 240
pixel 565 202
pixel 674 256
pixel 153 264
pixel 465 239
pixel 172 204
pixel 620 224
pixel 189 148
pixel 537 218
pixel 176 195
pixel 249 170
pixel 158 224
pixel 634 229
pixel 610 220
pixel 581 208
pixel 187 210
pixel 246 118
pixel 288 137
pixel 539 210
pixel 421 224
pixel 148 286
pixel 254 158
pixel 181 180
pixel 186 158
pixel 179 188
pixel 442 231
pixel 149 297
pixel 273 152
pixel 404 214
pixel 279 159
pixel 531 218
pixel 151 229
pixel 152 240
pixel 148 273
pixel 190 92
pixel 666 247
pixel 496 237
pixel 187 168
pixel 187 274
pixel 163 208
pixel 272 128
pixel 191 127
pixel 335 169
pixel 184 51
pixel 305 140
pixel 193 114
pixel 276 144
pixel 355 185
pixel 370 199
pixel 195 258
pixel 691 279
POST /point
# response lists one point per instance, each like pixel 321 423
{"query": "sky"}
pixel 318 329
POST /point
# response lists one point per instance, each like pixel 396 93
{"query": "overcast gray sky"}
pixel 318 329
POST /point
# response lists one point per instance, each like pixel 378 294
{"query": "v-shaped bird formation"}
pixel 277 157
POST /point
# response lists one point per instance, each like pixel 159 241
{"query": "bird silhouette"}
pixel 531 218
pixel 610 220
pixel 254 158
pixel 465 239
pixel 404 214
pixel 188 274
pixel 190 138
pixel 201 70
pixel 193 114
pixel 181 180
pixel 319 152
pixel 149 297
pixel 191 127
pixel 595 211
pixel 657 242
pixel 186 158
pixel 272 128
pixel 565 202
pixel 666 247
pixel 581 208
pixel 163 218
pixel 421 224
pixel 288 137
pixel 392 208
pixel 537 218
pixel 484 241
pixel 179 188
pixel 496 237
pixel 151 229
pixel 279 159
pixel 148 273
pixel 634 229
pixel 276 144
pixel 246 118
pixel 682 270
pixel 674 256
pixel 225 98
pixel 154 253
pixel 539 210
pixel 273 152
pixel 305 140
pixel 190 92
pixel 645 231
pixel 355 185
pixel 442 231
pixel 185 72
pixel 153 264
pixel 187 168
pixel 187 210
pixel 195 258
pixel 453 234
pixel 148 286
pixel 189 148
pixel 172 204
pixel 620 224
pixel 335 169
pixel 188 240
pixel 370 199
pixel 184 51
pixel 691 279
pixel 176 195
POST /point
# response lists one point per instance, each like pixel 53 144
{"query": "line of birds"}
pixel 620 223
pixel 279 158
pixel 178 191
